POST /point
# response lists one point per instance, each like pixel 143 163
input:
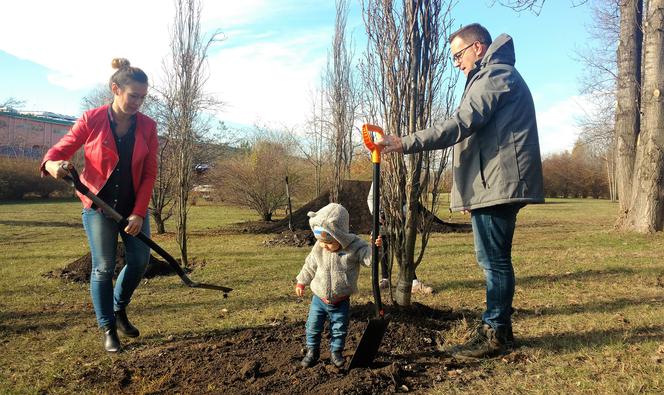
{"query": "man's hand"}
pixel 299 290
pixel 390 144
pixel 135 224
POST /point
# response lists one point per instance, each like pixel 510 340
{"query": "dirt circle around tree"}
pixel 266 360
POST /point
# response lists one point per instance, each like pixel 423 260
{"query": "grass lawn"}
pixel 589 300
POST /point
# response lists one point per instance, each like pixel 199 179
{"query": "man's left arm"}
pixel 477 108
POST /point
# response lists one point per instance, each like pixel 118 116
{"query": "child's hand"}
pixel 379 241
pixel 299 290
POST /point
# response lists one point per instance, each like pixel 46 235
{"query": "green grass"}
pixel 589 300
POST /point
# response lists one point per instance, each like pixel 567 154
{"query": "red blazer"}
pixel 93 131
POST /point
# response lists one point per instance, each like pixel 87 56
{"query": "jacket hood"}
pixel 500 51
pixel 334 219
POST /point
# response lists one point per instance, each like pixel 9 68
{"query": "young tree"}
pixel 341 99
pixel 98 96
pixel 185 76
pixel 256 177
pixel 531 5
pixel 406 71
pixel 314 147
pixel 599 83
pixel 12 103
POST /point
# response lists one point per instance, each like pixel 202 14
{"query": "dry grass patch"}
pixel 589 301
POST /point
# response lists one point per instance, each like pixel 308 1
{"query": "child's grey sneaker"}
pixel 310 359
pixel 337 359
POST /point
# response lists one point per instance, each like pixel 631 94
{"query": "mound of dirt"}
pixel 79 270
pixel 266 360
pixel 297 238
pixel 353 197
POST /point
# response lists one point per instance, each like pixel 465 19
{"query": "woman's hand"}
pixel 135 225
pixel 299 290
pixel 57 168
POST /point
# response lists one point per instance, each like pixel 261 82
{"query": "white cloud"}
pixel 268 81
pixel 77 39
pixel 557 123
pixel 258 73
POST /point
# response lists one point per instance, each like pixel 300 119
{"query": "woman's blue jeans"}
pixel 102 235
pixel 319 312
pixel 493 231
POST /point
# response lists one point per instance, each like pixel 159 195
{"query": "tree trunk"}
pixel 159 222
pixel 403 291
pixel 628 100
pixel 405 65
pixel 646 213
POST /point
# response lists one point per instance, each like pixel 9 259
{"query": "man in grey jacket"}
pixel 497 169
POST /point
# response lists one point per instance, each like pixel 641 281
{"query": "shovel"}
pixel 75 181
pixel 372 337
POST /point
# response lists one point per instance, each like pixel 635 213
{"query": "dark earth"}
pixel 266 359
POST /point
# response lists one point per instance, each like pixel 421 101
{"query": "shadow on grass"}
pixel 575 341
pixel 22 322
pixel 602 306
pixel 45 224
pixel 584 275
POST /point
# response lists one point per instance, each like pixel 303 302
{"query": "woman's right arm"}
pixel 65 148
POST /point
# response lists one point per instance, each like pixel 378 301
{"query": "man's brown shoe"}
pixel 486 343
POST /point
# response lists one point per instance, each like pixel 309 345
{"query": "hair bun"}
pixel 120 63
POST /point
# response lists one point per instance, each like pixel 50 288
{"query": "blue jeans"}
pixel 493 231
pixel 338 315
pixel 102 235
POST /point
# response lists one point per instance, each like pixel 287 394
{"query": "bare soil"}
pixel 266 360
pixel 296 238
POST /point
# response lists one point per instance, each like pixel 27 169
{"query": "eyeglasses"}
pixel 456 58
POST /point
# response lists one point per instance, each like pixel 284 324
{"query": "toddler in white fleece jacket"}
pixel 331 270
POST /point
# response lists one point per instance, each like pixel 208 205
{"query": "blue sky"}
pixel 270 61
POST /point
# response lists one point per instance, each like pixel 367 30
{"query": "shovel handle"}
pixel 75 181
pixel 367 129
pixel 375 149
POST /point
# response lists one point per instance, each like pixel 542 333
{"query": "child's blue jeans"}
pixel 338 315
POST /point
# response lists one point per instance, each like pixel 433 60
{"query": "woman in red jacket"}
pixel 120 147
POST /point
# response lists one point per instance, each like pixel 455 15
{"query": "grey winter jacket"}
pixel 496 155
pixel 332 276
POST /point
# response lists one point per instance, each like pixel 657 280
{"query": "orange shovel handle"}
pixel 368 142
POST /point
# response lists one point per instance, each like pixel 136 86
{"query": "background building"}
pixel 30 133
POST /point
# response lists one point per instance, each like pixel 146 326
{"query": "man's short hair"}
pixel 471 33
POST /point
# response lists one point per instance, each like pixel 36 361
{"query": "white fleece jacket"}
pixel 333 275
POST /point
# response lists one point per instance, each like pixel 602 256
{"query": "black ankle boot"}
pixel 111 339
pixel 310 359
pixel 124 325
